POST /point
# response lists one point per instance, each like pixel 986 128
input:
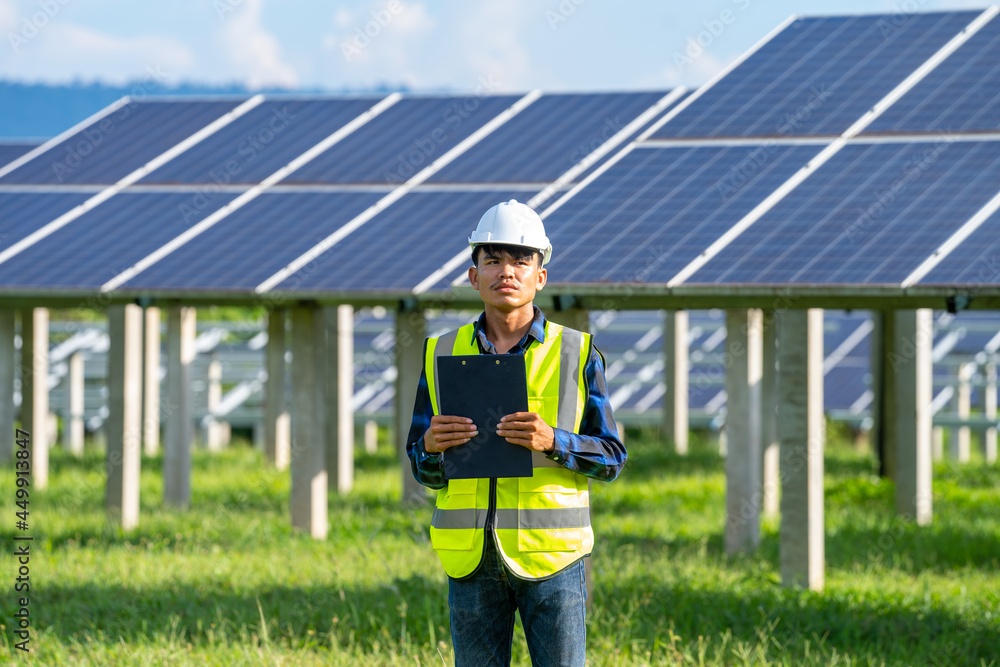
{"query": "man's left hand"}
pixel 527 429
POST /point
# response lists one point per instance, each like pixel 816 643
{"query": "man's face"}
pixel 505 282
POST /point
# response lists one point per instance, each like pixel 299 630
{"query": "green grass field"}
pixel 229 583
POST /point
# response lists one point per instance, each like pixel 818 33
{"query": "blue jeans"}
pixel 553 613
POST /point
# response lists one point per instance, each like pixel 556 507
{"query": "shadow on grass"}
pixel 296 616
pixel 787 621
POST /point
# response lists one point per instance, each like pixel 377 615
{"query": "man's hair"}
pixel 502 250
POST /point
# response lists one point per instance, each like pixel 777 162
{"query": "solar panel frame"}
pixel 247 247
pixel 871 243
pixel 976 261
pixel 962 94
pixel 808 105
pixel 116 145
pixel 548 138
pixel 251 148
pixel 403 140
pixel 101 242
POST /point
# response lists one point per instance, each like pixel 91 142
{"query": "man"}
pixel 518 543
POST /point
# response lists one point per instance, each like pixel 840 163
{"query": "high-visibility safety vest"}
pixel 540 524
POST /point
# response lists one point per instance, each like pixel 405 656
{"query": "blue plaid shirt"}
pixel 594 452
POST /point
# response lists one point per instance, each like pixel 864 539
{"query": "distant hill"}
pixel 37 111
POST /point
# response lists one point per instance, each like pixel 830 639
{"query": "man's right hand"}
pixel 447 431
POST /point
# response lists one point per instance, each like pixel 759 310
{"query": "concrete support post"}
pixel 937 443
pixel 962 436
pixel 151 382
pixel 884 390
pixel 7 373
pixel 770 466
pixel 308 466
pixel 990 410
pixel 35 390
pixel 912 365
pixel 74 427
pixel 801 434
pixel 277 422
pixel 743 458
pixel 124 414
pixel 340 385
pixel 675 376
pixel 371 436
pixel 179 427
pixel 214 429
pixel 411 330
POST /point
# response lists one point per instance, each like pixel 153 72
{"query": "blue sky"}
pixel 497 45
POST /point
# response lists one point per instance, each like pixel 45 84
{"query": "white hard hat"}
pixel 513 223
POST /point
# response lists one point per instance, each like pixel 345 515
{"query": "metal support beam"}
pixel 179 427
pixel 213 429
pixel 7 373
pixel 35 390
pixel 277 422
pixel 340 394
pixel 770 466
pixel 990 410
pixel 411 330
pixel 801 434
pixel 675 377
pixel 74 426
pixel 371 436
pixel 151 382
pixel 884 391
pixel 124 414
pixel 309 485
pixel 961 440
pixel 743 459
pixel 912 366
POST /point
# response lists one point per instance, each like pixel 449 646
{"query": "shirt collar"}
pixel 536 331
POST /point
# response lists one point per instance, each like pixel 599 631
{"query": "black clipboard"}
pixel 484 388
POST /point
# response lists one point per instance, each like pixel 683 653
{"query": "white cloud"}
pixel 76 52
pixel 383 42
pixel 8 16
pixel 491 42
pixel 254 52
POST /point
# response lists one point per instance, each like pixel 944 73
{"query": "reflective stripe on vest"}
pixel 541 523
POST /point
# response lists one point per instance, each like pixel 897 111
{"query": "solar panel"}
pixel 817 76
pixel 976 261
pixel 22 213
pixel 253 243
pixel 658 208
pixel 107 240
pixel 400 246
pixel 266 138
pixel 962 94
pixel 401 141
pixel 547 139
pixel 11 151
pixel 119 143
pixel 870 215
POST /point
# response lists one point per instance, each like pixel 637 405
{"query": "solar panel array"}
pixel 847 151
